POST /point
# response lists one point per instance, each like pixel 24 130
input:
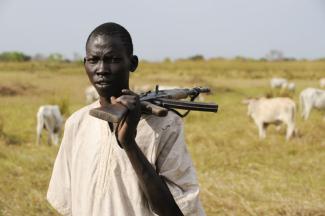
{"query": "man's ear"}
pixel 84 60
pixel 134 63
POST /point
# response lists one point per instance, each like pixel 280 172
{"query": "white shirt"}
pixel 92 175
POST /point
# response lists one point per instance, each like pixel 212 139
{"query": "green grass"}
pixel 25 173
pixel 238 173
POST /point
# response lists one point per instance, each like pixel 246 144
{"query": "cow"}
pixel 311 98
pixel 272 111
pixel 322 82
pixel 91 94
pixel 278 82
pixel 49 118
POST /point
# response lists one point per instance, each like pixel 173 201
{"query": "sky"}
pixel 169 28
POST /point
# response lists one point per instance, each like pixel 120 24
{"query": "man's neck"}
pixel 104 101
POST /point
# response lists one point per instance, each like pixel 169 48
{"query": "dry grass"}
pixel 238 173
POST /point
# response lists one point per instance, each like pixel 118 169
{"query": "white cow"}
pixel 311 98
pixel 91 94
pixel 322 82
pixel 49 118
pixel 278 82
pixel 272 111
pixel 146 88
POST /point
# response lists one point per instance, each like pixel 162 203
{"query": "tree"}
pixel 39 57
pixel 274 55
pixel 55 57
pixel 196 58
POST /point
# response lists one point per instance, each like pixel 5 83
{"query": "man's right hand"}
pixel 126 129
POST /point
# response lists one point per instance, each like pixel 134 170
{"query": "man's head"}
pixel 109 59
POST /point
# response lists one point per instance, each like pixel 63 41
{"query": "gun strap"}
pixel 180 114
pixel 188 111
pixel 118 125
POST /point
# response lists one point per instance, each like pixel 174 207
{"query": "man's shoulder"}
pixel 80 114
pixel 163 123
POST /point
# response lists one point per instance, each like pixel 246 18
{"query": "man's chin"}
pixel 106 92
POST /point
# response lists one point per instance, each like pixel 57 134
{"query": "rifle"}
pixel 159 103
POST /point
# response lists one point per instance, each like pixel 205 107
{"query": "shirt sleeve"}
pixel 175 166
pixel 59 191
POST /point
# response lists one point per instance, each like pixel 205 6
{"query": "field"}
pixel 238 173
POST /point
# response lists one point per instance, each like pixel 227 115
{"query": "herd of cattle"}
pixel 264 111
pixel 282 110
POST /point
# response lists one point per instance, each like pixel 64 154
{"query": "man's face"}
pixel 107 65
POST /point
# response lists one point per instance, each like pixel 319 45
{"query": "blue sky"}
pixel 169 28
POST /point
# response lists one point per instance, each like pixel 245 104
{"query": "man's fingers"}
pixel 122 101
pixel 127 100
pixel 113 100
pixel 128 92
pixel 126 103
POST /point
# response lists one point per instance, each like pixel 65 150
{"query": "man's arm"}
pixel 153 186
pixel 174 164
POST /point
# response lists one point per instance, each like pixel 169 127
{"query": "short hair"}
pixel 115 30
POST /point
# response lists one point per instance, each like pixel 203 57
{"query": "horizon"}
pixel 198 57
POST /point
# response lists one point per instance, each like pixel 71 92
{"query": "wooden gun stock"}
pixel 112 113
pixel 149 108
pixel 115 112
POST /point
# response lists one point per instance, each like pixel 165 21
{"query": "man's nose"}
pixel 103 67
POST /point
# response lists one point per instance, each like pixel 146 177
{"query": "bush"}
pixel 196 58
pixel 14 56
pixel 55 57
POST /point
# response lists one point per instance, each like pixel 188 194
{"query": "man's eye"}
pixel 116 60
pixel 92 60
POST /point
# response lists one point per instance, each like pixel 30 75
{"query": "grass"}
pixel 238 173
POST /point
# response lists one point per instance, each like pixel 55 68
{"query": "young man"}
pixel 141 169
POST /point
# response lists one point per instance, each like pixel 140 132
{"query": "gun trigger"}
pixel 157 89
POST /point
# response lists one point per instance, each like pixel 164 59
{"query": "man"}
pixel 143 168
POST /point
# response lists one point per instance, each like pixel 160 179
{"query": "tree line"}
pixel 16 56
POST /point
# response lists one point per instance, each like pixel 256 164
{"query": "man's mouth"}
pixel 103 83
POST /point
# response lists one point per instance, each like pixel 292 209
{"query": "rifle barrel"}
pixel 186 105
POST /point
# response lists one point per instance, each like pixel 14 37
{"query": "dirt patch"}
pixel 15 89
pixel 7 91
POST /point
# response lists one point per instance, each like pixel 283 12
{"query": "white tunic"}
pixel 92 175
